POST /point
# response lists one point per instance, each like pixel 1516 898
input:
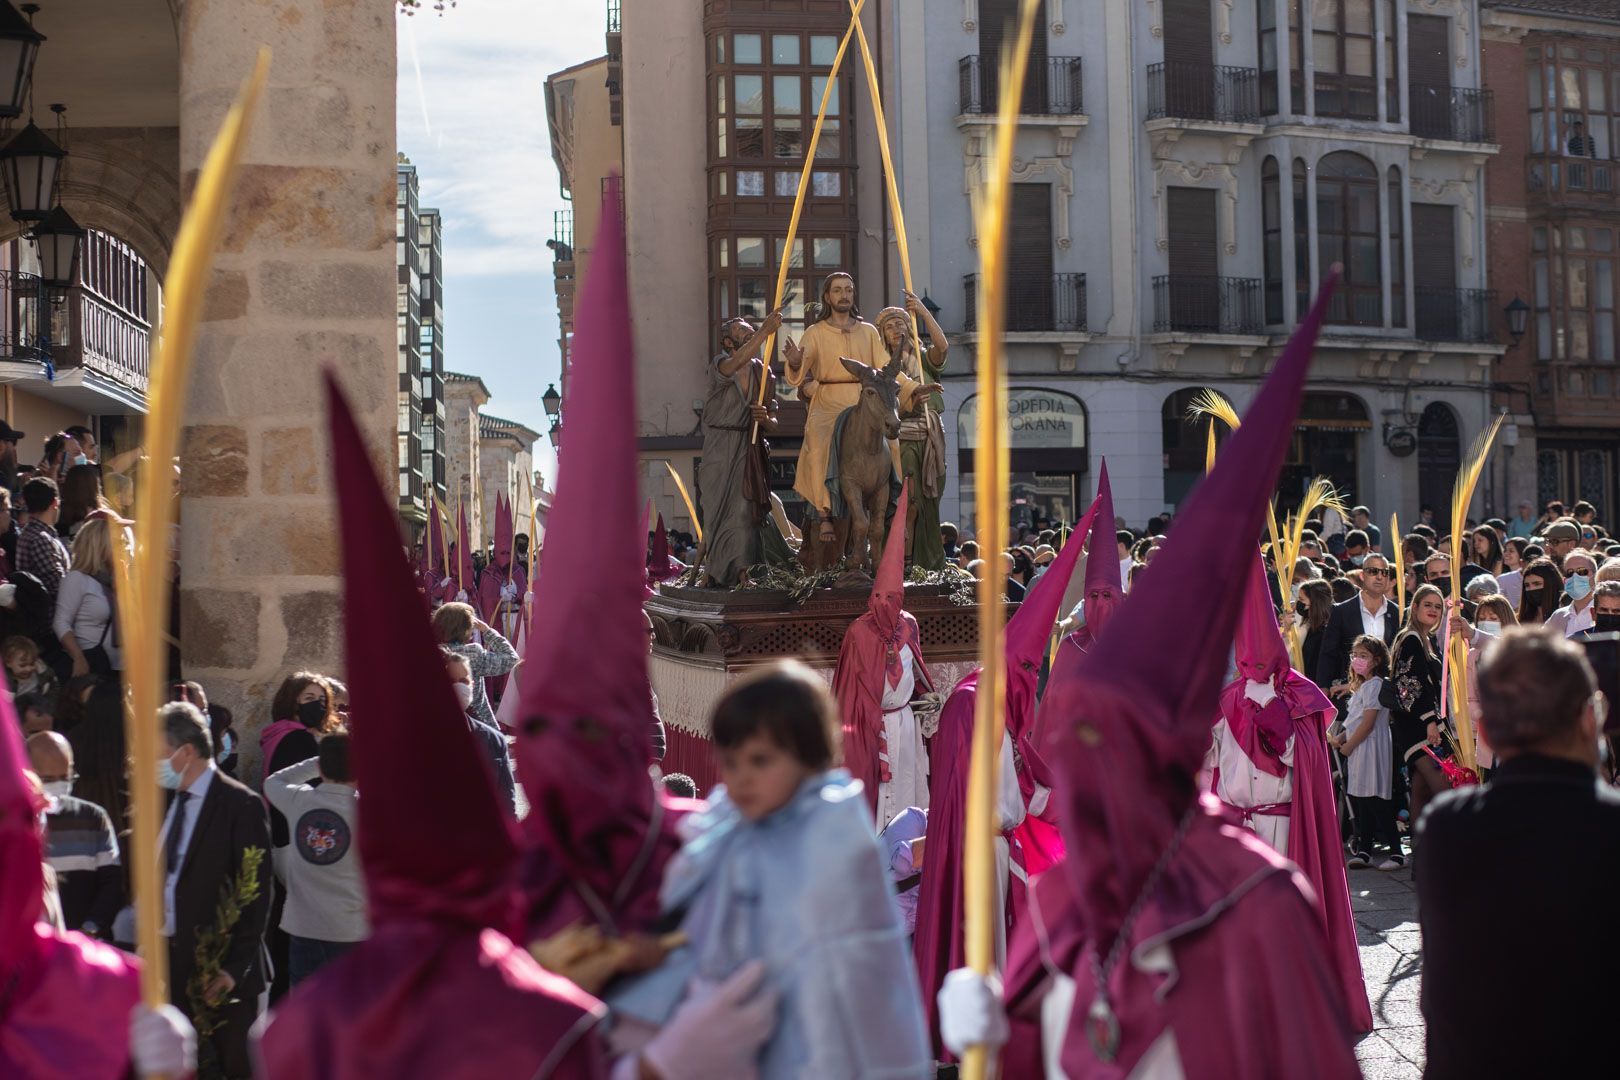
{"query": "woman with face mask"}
pixel 1542 587
pixel 1580 574
pixel 1312 609
pixel 1493 615
pixel 455 626
pixel 487 735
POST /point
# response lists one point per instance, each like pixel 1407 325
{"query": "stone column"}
pixel 304 280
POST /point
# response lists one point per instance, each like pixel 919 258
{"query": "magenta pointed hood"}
pixel 584 738
pixel 889 586
pixel 1127 723
pixel 1261 654
pixel 451 856
pixel 22 881
pixel 1104 589
pixel 503 531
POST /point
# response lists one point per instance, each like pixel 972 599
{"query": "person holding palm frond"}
pixel 1412 696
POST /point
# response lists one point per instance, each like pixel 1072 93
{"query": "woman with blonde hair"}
pixel 1412 695
pixel 86 603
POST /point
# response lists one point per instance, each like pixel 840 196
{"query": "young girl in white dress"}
pixel 1369 759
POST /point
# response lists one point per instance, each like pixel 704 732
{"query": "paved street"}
pixel 1387 928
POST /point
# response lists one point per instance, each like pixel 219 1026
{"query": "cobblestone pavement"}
pixel 1391 960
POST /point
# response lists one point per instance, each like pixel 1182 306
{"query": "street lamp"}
pixel 58 237
pixel 31 162
pixel 1518 315
pixel 556 434
pixel 552 401
pixel 19 46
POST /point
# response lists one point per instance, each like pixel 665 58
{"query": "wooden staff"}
pixel 798 196
pixel 144 575
pixel 991 466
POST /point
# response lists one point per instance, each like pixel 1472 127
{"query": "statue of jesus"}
pixel 812 365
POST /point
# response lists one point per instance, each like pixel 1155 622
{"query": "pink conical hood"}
pixel 435 838
pixel 1261 654
pixel 889 587
pixel 1030 628
pixel 503 531
pixel 22 879
pixel 1127 722
pixel 584 743
pixel 1104 590
pixel 466 577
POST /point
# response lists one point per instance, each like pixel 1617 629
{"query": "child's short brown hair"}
pixel 788 704
pixel 19 645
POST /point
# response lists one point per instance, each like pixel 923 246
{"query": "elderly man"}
pixel 211 821
pixel 1529 862
pixel 1580 574
pixel 80 844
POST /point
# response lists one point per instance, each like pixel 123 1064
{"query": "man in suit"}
pixel 1370 612
pixel 1513 876
pixel 211 821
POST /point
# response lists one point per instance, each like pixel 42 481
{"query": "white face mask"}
pixel 464 694
pixel 1492 628
pixel 166 776
pixel 58 788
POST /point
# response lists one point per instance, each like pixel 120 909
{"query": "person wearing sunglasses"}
pixel 1580 574
pixel 1370 612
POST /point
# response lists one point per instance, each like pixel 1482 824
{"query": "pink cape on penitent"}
pixel 1226 967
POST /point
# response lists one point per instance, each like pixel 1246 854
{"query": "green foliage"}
pixel 212 944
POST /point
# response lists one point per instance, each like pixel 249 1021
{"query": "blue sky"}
pixel 471 117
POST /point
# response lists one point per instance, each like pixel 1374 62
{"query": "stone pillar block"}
pixel 304 281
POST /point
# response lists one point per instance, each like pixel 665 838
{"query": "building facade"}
pixel 507 467
pixel 419 300
pixel 1554 221
pixel 464 396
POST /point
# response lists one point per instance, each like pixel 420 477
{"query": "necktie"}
pixel 171 845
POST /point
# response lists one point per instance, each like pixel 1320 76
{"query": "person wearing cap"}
pixel 1561 537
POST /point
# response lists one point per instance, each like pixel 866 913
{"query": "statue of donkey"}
pixel 864 466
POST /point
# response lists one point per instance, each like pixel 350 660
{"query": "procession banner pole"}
pixel 991 465
pixel 827 92
pixel 143 576
pixel 1396 561
pixel 680 485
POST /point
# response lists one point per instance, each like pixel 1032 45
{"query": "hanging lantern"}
pixel 19 46
pixel 31 163
pixel 58 238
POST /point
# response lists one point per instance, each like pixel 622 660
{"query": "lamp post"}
pixel 31 162
pixel 556 434
pixel 19 46
pixel 1518 317
pixel 58 238
pixel 552 401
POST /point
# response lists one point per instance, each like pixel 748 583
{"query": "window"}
pixel 1574 120
pixel 1573 286
pixel 1397 251
pixel 1302 241
pixel 766 109
pixel 1342 47
pixel 1270 92
pixel 1347 232
pixel 1392 84
pixel 745 269
pixel 1271 238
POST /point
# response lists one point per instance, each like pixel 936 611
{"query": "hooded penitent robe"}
pixel 1225 970
pixel 1284 787
pixel 439 989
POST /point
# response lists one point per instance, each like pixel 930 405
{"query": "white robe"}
pixel 1010 811
pixel 903 751
pixel 1242 784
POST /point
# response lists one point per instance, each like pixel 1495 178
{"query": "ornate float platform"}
pixel 706 638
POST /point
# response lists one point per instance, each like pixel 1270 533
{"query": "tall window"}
pixel 1392 82
pixel 1271 238
pixel 1270 95
pixel 1347 232
pixel 1573 271
pixel 1397 251
pixel 1342 47
pixel 746 269
pixel 1302 241
pixel 764 93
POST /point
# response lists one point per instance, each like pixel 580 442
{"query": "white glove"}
pixel 970 1011
pixel 162 1041
pixel 718 1030
pixel 1261 693
pixel 461 597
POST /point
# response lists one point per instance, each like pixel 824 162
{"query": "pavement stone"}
pixel 1385 908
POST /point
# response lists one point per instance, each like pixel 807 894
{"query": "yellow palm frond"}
pixel 1209 451
pixel 1209 403
pixel 1397 557
pixel 1461 496
pixel 680 485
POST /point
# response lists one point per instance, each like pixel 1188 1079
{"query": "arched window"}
pixel 1397 250
pixel 1302 242
pixel 1271 238
pixel 1186 442
pixel 1342 45
pixel 1047 454
pixel 1347 232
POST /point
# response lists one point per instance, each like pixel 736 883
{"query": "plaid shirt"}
pixel 41 553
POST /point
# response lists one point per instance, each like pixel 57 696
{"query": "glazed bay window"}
pixel 1342 47
pixel 745 269
pixel 1574 118
pixel 1347 232
pixel 1573 286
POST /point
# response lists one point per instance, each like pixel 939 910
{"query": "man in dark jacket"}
pixel 1369 612
pixel 211 822
pixel 1515 877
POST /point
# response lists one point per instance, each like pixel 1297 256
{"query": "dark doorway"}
pixel 1326 441
pixel 1434 271
pixel 998 22
pixel 1439 458
pixel 1029 259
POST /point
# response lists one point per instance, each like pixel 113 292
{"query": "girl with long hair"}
pixel 1412 695
pixel 1542 588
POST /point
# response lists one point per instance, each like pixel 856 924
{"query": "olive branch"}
pixel 212 944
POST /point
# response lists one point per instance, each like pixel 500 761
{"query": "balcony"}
pixel 1203 92
pixel 1453 114
pixel 1558 179
pixel 1462 315
pixel 1057 94
pixel 1577 394
pixel 1036 303
pixel 1202 304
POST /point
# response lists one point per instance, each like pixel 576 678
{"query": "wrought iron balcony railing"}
pixel 1204 304
pixel 1036 303
pixel 1454 314
pixel 1455 113
pixel 1054 91
pixel 1218 92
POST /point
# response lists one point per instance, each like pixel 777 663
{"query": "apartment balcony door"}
pixel 998 20
pixel 1194 283
pixel 1189 60
pixel 1029 259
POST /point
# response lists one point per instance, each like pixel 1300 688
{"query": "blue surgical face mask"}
pixel 80 459
pixel 1577 586
pixel 1494 629
pixel 1357 560
pixel 166 776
